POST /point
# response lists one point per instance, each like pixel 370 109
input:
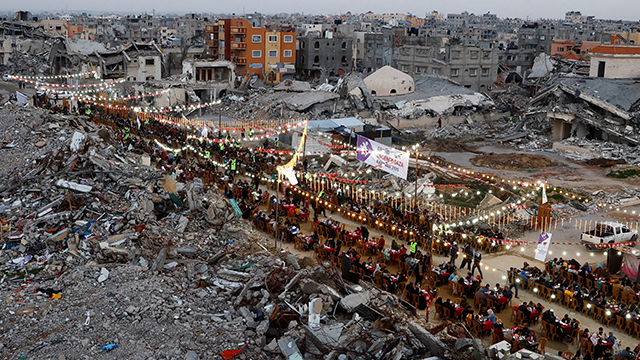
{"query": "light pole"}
pixel 415 193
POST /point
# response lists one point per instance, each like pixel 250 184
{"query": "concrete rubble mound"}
pixel 103 256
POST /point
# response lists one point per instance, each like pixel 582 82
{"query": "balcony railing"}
pixel 238 45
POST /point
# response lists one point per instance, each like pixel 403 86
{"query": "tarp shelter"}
pixel 343 126
pixel 630 262
pixel 332 124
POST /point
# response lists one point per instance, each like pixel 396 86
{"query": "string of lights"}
pixel 52 77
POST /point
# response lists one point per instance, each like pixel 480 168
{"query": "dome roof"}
pixel 388 81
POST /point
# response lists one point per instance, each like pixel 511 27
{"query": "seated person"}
pixel 627 354
pixel 490 316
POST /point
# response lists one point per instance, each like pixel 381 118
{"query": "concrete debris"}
pixel 104 275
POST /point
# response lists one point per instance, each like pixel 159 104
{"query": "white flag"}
pixel 544 195
pixel 138 121
pixel 205 131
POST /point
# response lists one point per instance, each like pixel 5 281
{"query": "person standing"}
pixel 467 257
pixel 454 253
pixel 413 247
pixel 364 232
pixel 477 258
pixel 513 280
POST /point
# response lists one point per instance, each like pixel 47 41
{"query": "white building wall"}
pixel 616 66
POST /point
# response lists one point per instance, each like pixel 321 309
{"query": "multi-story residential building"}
pixel 267 53
pixel 458 20
pixel 358 50
pixel 327 54
pixel 139 28
pixel 379 47
pixel 135 62
pixel 280 55
pixel 56 27
pixel 533 39
pixel 574 17
pixel 471 66
pixel 190 28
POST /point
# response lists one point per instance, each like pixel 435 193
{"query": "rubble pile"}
pixel 597 149
pixel 103 255
pixel 31 136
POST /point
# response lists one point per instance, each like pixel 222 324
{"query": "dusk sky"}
pixel 611 9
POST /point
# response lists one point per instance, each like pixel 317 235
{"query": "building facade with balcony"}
pixel 267 53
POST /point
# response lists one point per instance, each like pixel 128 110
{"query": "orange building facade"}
pixel 266 53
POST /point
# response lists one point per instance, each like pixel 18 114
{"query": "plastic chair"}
pixel 447 313
pixel 542 345
pixel 636 330
pixel 496 338
pixel 477 301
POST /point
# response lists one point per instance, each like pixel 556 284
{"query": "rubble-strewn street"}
pixel 357 186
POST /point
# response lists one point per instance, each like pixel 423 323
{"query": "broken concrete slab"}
pixel 434 344
pixel 232 275
pixel 73 186
pixel 289 349
pixel 463 343
pixel 350 302
pixel 191 355
pixel 315 309
pixel 104 275
pixel 76 141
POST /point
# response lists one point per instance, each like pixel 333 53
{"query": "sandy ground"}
pixel 569 174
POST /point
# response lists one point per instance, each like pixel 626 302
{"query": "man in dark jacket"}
pixel 467 257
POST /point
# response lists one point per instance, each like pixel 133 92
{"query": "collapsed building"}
pixel 591 108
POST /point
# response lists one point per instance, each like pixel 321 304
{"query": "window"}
pixel 379 46
pixel 288 53
pixel 301 57
pixel 316 59
pixel 149 61
pixel 256 53
pixel 485 72
pixel 486 54
pixel 435 71
pixel 473 72
pixel 455 72
pixel 288 38
pixel 344 45
pixel 256 38
pixel 455 54
pixel 473 54
pixel 273 38
pixel 302 44
pixel 316 45
pixel 273 53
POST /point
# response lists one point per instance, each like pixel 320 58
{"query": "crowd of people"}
pixel 222 162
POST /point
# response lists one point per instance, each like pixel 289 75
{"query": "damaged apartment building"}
pixel 591 108
pixel 134 62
